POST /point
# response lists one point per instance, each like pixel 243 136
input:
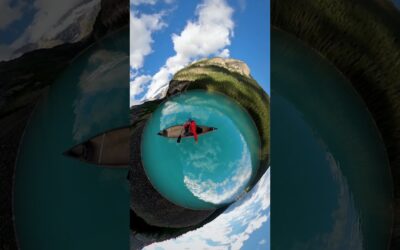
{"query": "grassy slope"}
pixel 244 90
pixel 361 38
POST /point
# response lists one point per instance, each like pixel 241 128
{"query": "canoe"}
pixel 108 149
pixel 175 131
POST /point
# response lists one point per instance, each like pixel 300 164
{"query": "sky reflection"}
pixel 244 225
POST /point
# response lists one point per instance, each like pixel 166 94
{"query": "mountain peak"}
pixel 233 65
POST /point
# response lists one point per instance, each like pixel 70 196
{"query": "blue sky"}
pixel 242 29
pixel 16 21
pixel 166 35
pixel 250 41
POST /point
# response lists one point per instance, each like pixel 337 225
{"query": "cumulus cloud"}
pixel 208 35
pixel 139 2
pixel 149 2
pixel 9 13
pixel 142 27
pixel 224 53
pixel 232 228
pixel 137 85
pixel 220 192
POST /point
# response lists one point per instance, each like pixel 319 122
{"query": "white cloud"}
pixel 141 30
pixel 139 2
pixel 9 14
pixel 137 85
pixel 232 228
pixel 208 35
pixel 149 2
pixel 142 27
pixel 220 192
pixel 224 53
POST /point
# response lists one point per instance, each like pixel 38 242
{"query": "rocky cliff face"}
pixel 227 63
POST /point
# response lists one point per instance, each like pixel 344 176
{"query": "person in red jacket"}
pixel 191 129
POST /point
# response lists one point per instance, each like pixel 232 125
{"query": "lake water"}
pixel 211 173
pixel 331 182
pixel 60 202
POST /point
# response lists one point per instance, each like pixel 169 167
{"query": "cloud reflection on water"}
pixel 104 73
pixel 233 228
pixel 219 192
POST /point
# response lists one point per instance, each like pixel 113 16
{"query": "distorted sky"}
pixel 167 35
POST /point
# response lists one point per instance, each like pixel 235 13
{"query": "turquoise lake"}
pixel 60 202
pixel 332 187
pixel 217 169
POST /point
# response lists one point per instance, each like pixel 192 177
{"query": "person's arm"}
pixel 194 131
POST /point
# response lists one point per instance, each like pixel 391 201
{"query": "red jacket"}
pixel 192 126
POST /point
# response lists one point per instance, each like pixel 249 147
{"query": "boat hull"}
pixel 176 131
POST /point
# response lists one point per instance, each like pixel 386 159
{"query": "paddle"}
pixel 180 136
